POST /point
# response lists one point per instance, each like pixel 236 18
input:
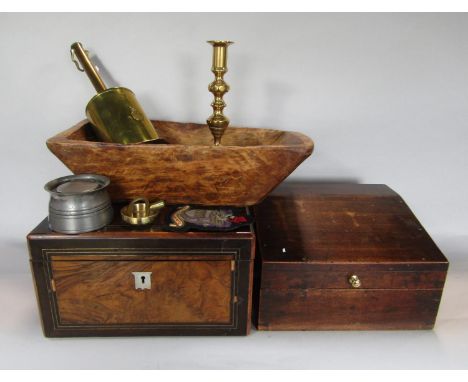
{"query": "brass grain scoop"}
pixel 114 113
pixel 140 211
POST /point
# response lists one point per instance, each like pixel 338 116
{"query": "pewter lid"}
pixel 77 184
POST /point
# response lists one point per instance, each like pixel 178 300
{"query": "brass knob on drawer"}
pixel 354 281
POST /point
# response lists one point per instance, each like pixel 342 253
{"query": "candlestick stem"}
pixel 218 122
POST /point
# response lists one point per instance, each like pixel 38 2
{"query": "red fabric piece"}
pixel 238 219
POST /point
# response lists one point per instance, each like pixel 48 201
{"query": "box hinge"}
pixel 234 299
pixel 52 284
pixel 233 265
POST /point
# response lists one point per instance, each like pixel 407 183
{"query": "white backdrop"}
pixel 384 96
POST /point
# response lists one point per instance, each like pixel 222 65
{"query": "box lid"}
pixel 332 224
pixel 118 235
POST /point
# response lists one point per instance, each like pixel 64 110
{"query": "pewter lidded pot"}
pixel 79 203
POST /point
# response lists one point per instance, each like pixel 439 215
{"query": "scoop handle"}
pixel 78 53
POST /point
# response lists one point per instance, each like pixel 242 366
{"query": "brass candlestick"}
pixel 218 122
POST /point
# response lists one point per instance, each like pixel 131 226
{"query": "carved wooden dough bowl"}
pixel 189 170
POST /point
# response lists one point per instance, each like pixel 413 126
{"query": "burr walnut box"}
pixel 344 256
pixel 126 281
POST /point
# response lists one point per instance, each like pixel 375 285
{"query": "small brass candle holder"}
pixel 218 122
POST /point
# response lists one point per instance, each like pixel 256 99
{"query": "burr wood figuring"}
pixel 123 281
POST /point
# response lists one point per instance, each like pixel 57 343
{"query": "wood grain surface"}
pixel 338 309
pixel 201 281
pixel 188 170
pixel 313 237
pixel 285 276
pixel 355 224
pixel 103 292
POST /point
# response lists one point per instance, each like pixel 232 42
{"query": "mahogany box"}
pixel 344 256
pixel 123 281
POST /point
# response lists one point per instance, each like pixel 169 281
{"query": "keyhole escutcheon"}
pixel 142 280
